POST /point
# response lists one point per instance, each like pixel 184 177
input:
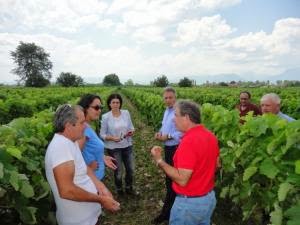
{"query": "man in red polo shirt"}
pixel 195 164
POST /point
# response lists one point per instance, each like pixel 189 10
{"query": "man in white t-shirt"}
pixel 78 194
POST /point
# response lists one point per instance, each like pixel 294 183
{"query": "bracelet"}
pixel 159 161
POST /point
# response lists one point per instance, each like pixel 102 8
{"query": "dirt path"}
pixel 149 181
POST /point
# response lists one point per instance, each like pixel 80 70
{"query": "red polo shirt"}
pixel 198 151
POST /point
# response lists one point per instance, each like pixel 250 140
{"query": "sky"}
pixel 143 39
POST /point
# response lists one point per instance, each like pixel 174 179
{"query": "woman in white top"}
pixel 117 130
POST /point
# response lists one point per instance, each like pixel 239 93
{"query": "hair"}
pixel 114 96
pixel 274 98
pixel 64 114
pixel 246 92
pixel 86 100
pixel 189 108
pixel 170 89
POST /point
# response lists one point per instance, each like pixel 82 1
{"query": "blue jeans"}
pixel 193 211
pixel 123 156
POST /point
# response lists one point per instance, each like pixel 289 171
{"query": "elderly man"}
pixel 170 136
pixel 77 192
pixel 270 103
pixel 193 173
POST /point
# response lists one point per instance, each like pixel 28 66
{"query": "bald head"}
pixel 270 103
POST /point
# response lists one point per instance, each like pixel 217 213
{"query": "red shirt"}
pixel 249 107
pixel 198 151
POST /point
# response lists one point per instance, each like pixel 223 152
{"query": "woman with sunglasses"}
pixel 91 145
pixel 116 131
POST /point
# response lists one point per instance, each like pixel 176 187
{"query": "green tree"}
pixel 129 82
pixel 185 82
pixel 69 80
pixel 111 80
pixel 33 65
pixel 161 81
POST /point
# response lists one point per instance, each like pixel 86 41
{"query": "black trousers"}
pixel 170 194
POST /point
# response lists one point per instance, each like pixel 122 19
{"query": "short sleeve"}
pixel 61 154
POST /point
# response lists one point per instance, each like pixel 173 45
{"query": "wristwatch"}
pixel 169 137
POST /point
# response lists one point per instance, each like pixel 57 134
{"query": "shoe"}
pixel 159 219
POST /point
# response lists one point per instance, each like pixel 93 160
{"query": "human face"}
pixel 77 129
pixel 94 110
pixel 268 106
pixel 244 99
pixel 115 104
pixel 169 98
pixel 180 121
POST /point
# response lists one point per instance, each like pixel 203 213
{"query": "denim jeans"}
pixel 193 211
pixel 123 156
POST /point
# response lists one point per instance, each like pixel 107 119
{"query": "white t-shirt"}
pixel 60 150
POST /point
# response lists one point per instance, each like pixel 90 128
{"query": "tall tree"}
pixel 111 80
pixel 185 82
pixel 69 80
pixel 33 65
pixel 161 81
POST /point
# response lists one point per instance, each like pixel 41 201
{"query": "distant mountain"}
pixel 217 78
pixel 291 74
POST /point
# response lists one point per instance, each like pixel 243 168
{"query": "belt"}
pixel 192 196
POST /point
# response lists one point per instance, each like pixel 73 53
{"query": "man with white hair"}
pixel 270 103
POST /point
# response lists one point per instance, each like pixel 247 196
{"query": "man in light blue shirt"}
pixel 270 103
pixel 170 136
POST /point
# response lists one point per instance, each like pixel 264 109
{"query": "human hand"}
pixel 109 203
pixel 129 133
pixel 110 162
pixel 116 139
pixel 156 153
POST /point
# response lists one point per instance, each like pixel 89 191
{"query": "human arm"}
pixel 179 175
pixel 67 189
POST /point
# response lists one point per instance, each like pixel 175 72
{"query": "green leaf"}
pixel 293 214
pixel 27 189
pixel 249 172
pixel 1 170
pixel 14 152
pixel 276 216
pixel 2 192
pixel 284 188
pixel 14 180
pixel 268 168
pixel 297 167
pixel 224 192
pixel 27 215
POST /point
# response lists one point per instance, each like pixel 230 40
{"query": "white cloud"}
pixel 215 4
pixel 149 34
pixel 105 24
pixel 209 30
pixel 65 16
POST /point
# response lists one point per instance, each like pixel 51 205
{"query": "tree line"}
pixel 33 66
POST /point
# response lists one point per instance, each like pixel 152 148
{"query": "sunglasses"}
pixel 97 107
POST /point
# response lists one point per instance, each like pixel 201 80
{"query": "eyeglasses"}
pixel 97 107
